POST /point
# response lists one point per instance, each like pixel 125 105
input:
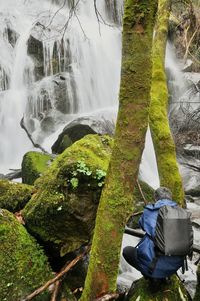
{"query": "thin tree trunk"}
pixel 117 197
pixel 159 124
pixel 197 294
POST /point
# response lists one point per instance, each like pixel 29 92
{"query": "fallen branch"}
pixel 36 145
pixel 140 234
pixel 55 291
pixel 108 297
pixel 55 279
pixel 15 174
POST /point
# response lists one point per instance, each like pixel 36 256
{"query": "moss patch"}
pixel 171 291
pixel 197 294
pixel 64 208
pixel 23 265
pixel 33 165
pixel 14 196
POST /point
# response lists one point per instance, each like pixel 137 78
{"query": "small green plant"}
pixel 100 175
pixel 82 168
pixel 74 183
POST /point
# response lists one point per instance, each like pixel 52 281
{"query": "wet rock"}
pixel 33 166
pixel 64 94
pixel 14 196
pixel 69 136
pixel 82 126
pixel 23 265
pixel 12 36
pixel 35 50
pixel 190 174
pixel 48 124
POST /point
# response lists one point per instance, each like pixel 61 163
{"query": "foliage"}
pixel 23 265
pixel 14 196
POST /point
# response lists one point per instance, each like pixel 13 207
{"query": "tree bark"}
pixel 116 201
pixel 159 124
pixel 197 294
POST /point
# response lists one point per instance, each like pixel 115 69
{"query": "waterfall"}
pixel 13 97
pixel 55 62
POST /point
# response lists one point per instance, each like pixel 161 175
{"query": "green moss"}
pixel 159 124
pixel 33 165
pixel 171 291
pixel 14 196
pixel 116 201
pixel 23 265
pixel 197 294
pixel 63 210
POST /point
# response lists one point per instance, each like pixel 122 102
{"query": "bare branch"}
pixel 36 145
pixel 55 279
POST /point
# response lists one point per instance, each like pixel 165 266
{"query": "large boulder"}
pixel 14 196
pixel 101 123
pixel 33 166
pixel 23 265
pixel 63 210
pixel 71 135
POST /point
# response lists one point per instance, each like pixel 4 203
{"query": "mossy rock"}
pixel 63 210
pixel 23 265
pixel 172 290
pixel 71 135
pixel 14 196
pixel 33 166
pixel 197 294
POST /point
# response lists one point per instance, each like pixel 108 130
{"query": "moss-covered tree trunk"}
pixel 197 294
pixel 159 125
pixel 117 197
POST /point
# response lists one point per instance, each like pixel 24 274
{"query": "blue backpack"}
pixel 158 256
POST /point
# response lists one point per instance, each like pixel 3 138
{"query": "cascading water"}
pixel 55 61
pixel 13 101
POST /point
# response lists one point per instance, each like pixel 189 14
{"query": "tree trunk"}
pixel 117 197
pixel 197 294
pixel 159 125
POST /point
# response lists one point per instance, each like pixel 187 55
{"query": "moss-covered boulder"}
pixel 23 265
pixel 172 290
pixel 197 294
pixel 63 210
pixel 14 196
pixel 33 165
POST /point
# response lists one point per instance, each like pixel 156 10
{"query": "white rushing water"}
pixel 73 68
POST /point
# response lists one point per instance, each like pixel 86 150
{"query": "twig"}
pixel 58 276
pixel 108 297
pixel 36 145
pixel 137 213
pixel 141 192
pixel 55 291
